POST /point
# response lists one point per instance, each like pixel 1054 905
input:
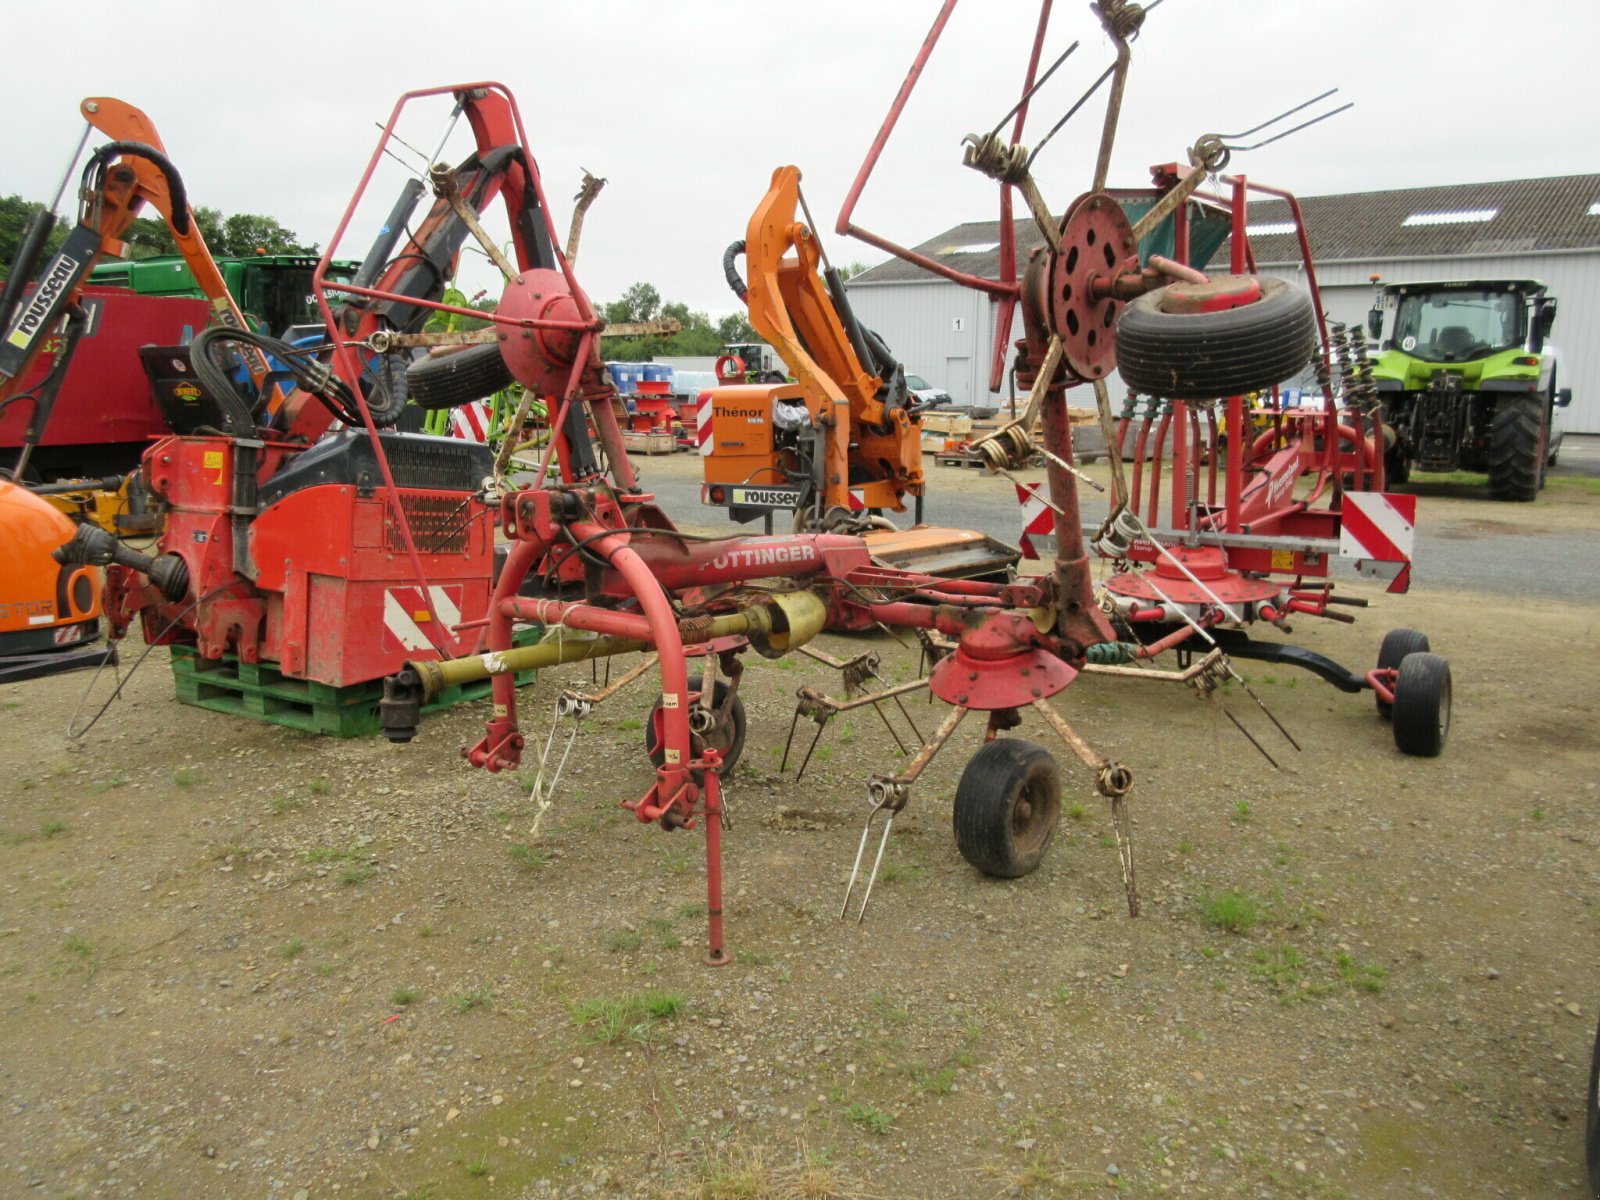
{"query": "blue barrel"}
pixel 618 374
pixel 656 372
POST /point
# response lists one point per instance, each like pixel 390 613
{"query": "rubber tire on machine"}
pixel 730 743
pixel 1422 705
pixel 1516 448
pixel 451 380
pixel 1203 356
pixel 1591 1139
pixel 1396 644
pixel 1007 805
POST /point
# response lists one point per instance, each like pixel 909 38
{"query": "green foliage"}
pixel 14 214
pixel 238 236
pixel 873 1120
pixel 1233 911
pixel 699 335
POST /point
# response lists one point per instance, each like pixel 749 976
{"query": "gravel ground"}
pixel 239 961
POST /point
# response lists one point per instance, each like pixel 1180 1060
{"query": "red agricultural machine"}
pixel 605 571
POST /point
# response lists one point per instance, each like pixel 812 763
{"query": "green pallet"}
pixel 263 693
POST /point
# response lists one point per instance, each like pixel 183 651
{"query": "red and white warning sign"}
pixel 405 613
pixel 471 422
pixel 1038 522
pixel 1376 530
pixel 702 423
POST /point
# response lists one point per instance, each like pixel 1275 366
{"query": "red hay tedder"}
pixel 595 561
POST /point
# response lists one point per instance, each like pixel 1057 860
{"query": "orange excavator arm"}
pixel 129 172
pixel 872 441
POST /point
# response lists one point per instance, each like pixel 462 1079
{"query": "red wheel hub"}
pixel 1096 246
pixel 539 358
pixel 1216 295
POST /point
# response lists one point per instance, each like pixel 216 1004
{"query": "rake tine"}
pixel 789 741
pixel 878 708
pixel 855 870
pixel 801 773
pixel 1270 717
pixel 1249 737
pixel 907 716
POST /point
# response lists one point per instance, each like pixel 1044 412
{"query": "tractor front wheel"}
pixel 1006 809
pixel 1517 438
pixel 1422 705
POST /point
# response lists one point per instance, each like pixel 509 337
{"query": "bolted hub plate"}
pixel 987 684
pixel 539 358
pixel 1096 246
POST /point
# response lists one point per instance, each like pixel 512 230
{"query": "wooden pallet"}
pixel 961 458
pixel 650 443
pixel 263 693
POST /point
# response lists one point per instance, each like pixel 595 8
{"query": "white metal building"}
pixel 1545 229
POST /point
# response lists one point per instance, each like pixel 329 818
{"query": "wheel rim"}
pixel 1031 816
pixel 1444 711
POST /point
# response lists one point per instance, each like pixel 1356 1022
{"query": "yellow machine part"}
pixel 42 604
pixel 109 510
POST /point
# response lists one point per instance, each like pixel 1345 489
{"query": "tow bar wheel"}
pixel 1006 809
pixel 725 733
pixel 1396 644
pixel 1422 704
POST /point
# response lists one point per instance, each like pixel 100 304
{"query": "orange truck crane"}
pixel 49 611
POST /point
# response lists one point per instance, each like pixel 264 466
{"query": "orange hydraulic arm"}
pixel 868 444
pixel 129 172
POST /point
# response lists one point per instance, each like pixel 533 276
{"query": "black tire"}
pixel 451 380
pixel 1202 356
pixel 1591 1138
pixel 1422 705
pixel 1516 448
pixel 1396 644
pixel 727 737
pixel 1007 805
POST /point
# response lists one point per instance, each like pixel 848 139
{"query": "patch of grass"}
pixel 678 860
pixel 425 931
pixel 1232 911
pixel 82 955
pixel 752 958
pixel 1280 968
pixel 404 996
pixel 1185 846
pixel 101 786
pixel 479 997
pixel 53 829
pixel 318 787
pixel 869 1117
pixel 1210 952
pixel 1077 811
pixel 186 776
pixel 1363 977
pixel 283 805
pixel 900 872
pixel 293 948
pixel 624 941
pixel 666 936
pixel 478 1168
pixel 1537 814
pixel 630 725
pixel 351 876
pixel 628 1018
pixel 1242 812
pixel 526 857
pixel 933 1079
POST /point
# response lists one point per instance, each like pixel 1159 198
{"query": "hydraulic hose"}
pixel 731 273
pixel 179 217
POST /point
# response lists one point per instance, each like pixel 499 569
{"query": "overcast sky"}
pixel 687 107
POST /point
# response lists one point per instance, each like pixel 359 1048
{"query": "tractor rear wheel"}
pixel 1517 448
pixel 1396 644
pixel 726 734
pixel 1205 355
pixel 1422 705
pixel 451 380
pixel 1007 805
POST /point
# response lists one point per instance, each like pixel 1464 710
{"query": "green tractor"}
pixel 1468 382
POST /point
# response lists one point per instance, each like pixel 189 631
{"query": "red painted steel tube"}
pixel 1176 638
pixel 716 956
pixel 664 633
pixel 1155 467
pixel 580 616
pixel 1180 464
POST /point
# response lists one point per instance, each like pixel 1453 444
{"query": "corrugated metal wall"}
pixel 938 330
pixel 1574 280
pixel 944 332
